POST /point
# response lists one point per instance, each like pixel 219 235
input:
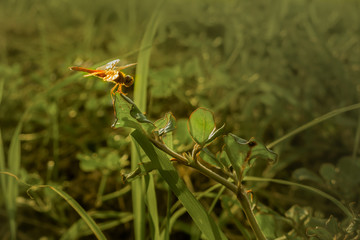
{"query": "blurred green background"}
pixel 263 67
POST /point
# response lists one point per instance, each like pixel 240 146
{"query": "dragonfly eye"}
pixel 128 81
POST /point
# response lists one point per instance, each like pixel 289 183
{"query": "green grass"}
pixel 286 73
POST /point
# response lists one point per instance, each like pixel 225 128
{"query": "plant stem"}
pixel 169 151
pixel 245 203
pixel 207 172
pixel 238 190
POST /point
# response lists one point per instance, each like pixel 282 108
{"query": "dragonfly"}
pixel 110 72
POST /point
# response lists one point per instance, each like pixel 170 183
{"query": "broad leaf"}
pixel 201 124
pixel 224 159
pixel 215 133
pixel 241 152
pixel 128 114
pixel 210 158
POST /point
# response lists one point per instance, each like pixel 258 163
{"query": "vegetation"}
pixel 183 155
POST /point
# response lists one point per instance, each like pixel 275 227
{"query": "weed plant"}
pixel 285 72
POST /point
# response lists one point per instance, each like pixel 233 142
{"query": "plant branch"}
pixel 245 203
pixel 238 190
pixel 207 172
pixel 169 151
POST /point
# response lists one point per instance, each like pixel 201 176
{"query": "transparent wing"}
pixel 125 66
pixel 111 77
pixel 109 66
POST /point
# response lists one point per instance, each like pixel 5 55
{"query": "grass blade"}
pixel 314 122
pixel 312 189
pixel 140 95
pixel 2 83
pixel 204 222
pixel 142 69
pixel 76 206
pixel 12 190
pixel 2 166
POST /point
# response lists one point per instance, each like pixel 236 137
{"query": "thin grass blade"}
pixel 140 96
pixel 314 122
pixel 76 206
pixel 309 188
pixel 204 222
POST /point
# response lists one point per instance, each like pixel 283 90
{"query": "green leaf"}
pixel 215 133
pixel 332 225
pixel 328 172
pixel 201 124
pixel 210 158
pixel 241 152
pixel 236 153
pixel 320 233
pixel 182 138
pixel 143 169
pixel 267 224
pixel 303 174
pixel 128 114
pixel 166 124
pixel 205 223
pixel 224 159
pixel 298 214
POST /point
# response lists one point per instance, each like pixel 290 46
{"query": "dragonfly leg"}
pixel 113 89
pixel 119 90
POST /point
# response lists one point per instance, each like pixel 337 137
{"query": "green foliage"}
pixel 285 73
pixel 201 125
pixel 127 114
pixel 241 152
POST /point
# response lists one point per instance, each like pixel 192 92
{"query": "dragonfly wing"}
pixel 111 77
pixel 109 66
pixel 126 66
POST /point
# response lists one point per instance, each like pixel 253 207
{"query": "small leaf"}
pixel 138 115
pixel 128 114
pixel 328 172
pixel 215 133
pixel 210 158
pixel 201 124
pixel 260 151
pixel 224 159
pixel 182 138
pixel 241 152
pixel 298 214
pixel 319 233
pixel 166 124
pixel 267 223
pixel 332 225
pixel 143 169
pixel 303 174
pixel 236 153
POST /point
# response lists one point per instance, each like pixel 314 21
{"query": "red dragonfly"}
pixel 110 72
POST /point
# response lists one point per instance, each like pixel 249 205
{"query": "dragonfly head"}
pixel 128 81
